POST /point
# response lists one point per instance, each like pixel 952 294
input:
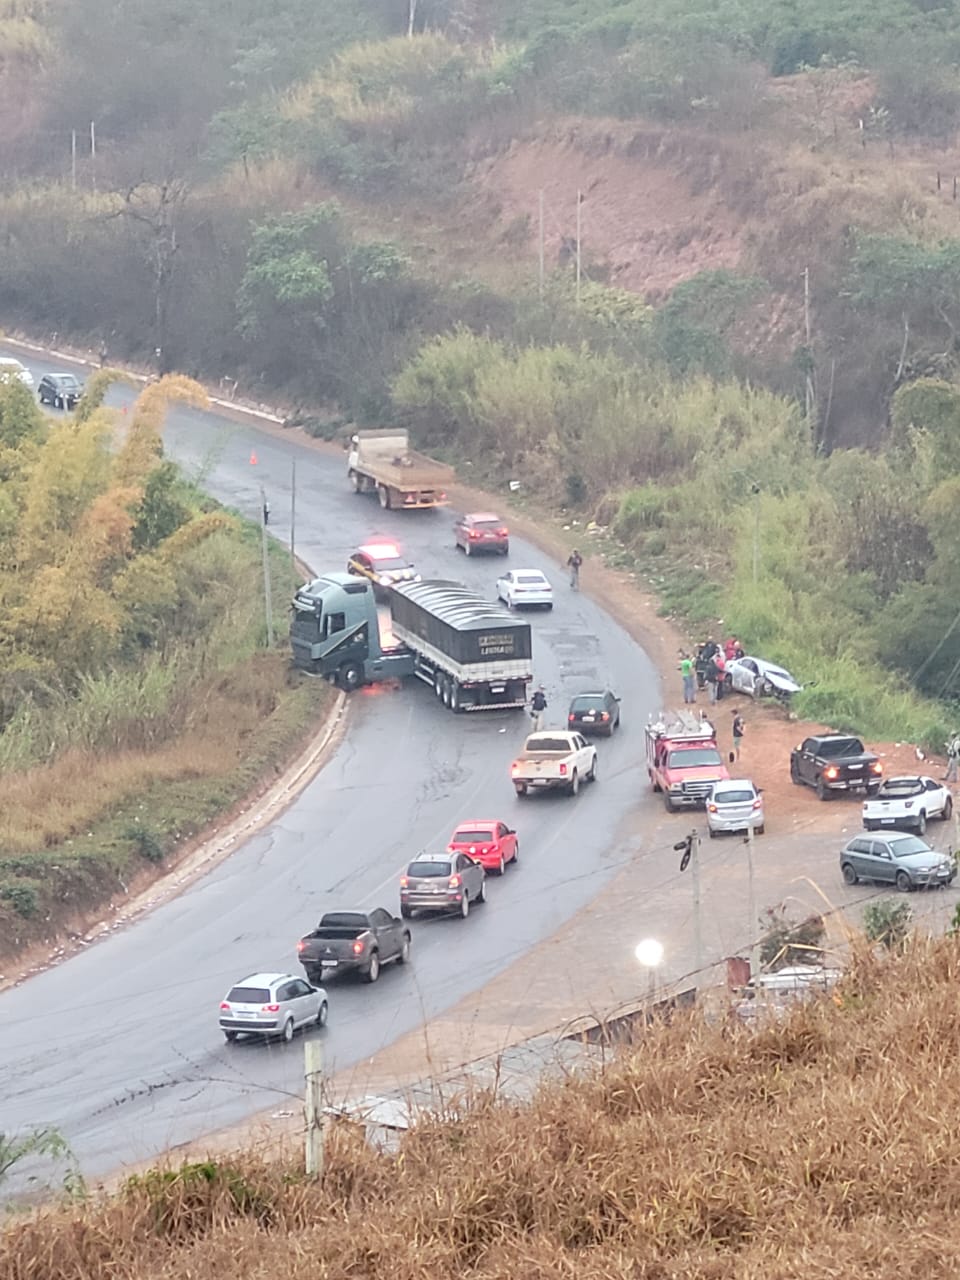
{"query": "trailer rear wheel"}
pixel 383 493
pixel 455 706
pixel 438 684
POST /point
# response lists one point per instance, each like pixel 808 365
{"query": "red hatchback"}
pixel 493 844
pixel 482 531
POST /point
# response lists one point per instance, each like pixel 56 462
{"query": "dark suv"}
pixel 62 390
pixel 595 713
pixel 482 531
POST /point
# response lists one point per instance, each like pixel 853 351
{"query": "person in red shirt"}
pixel 721 664
pixel 730 648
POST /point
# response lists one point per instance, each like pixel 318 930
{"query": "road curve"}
pixel 119 1048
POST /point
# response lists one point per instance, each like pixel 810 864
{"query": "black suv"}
pixel 62 390
pixel 594 713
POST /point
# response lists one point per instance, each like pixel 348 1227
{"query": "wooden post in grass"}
pixel 313 1107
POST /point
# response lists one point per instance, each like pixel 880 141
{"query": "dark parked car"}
pixel 895 858
pixel 482 531
pixel 835 762
pixel 62 390
pixel 595 713
pixel 354 940
pixel 442 882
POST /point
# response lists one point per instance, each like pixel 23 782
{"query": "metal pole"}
pixel 93 154
pixel 697 924
pixel 756 539
pixel 313 1107
pixel 73 159
pixel 541 243
pixel 579 225
pixel 809 397
pixel 751 903
pixel 265 553
pixel 293 518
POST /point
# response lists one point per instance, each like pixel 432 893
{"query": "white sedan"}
pixel 522 588
pixel 907 803
pixel 757 677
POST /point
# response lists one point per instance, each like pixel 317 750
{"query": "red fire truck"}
pixel 683 759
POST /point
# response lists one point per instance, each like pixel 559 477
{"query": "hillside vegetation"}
pixel 821 1145
pixel 136 699
pixel 752 387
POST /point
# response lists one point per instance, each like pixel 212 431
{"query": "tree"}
pixel 888 923
pixel 789 942
pixel 16 1148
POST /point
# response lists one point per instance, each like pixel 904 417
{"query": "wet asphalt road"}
pixel 119 1048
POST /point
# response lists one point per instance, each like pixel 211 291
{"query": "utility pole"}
pixel 313 1107
pixel 541 244
pixel 293 519
pixel 752 904
pixel 73 159
pixel 809 395
pixel 93 152
pixel 265 553
pixel 697 924
pixel 579 228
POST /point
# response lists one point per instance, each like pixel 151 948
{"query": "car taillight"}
pixel 503 533
pixel 443 497
pixel 269 1008
pixel 563 770
pixel 454 882
pixel 404 882
pixel 605 716
pixel 877 767
pixel 301 945
pixel 570 718
pixel 757 803
pixel 832 772
pixel 474 533
pixel 515 767
pixel 224 1004
pixel 711 808
pixel 358 947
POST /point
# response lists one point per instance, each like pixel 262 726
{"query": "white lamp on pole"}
pixel 649 953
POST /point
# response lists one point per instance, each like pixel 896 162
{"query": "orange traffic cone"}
pixel 253 459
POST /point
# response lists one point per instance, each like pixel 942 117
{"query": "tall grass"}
pixel 707 1149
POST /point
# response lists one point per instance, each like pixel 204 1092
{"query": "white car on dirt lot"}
pixel 907 804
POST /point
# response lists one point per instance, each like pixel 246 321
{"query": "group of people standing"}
pixel 707 668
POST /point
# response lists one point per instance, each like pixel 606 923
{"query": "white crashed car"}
pixel 11 368
pixel 757 677
pixel 525 588
pixel 907 804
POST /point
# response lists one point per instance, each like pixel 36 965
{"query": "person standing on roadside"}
pixel 737 734
pixel 574 561
pixel 713 676
pixel 688 676
pixel 538 705
pixel 953 758
pixel 266 511
pixel 720 662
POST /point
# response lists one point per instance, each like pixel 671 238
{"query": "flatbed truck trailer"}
pixel 382 462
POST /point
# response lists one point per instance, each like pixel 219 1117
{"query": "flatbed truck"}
pixel 382 462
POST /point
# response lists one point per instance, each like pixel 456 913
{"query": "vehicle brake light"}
pixel 877 767
pixel 358 947
pixel 831 772
pixel 270 1008
pixel 605 716
pixel 503 533
pixel 454 882
pixel 563 770
pixel 404 882
pixel 474 533
pixel 443 497
pixel 515 768
pixel 224 1004
pixel 302 945
pixel 570 718
pixel 757 803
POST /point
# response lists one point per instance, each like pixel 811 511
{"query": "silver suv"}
pixel 442 882
pixel 272 1004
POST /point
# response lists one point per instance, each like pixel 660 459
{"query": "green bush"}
pixel 145 841
pixel 23 898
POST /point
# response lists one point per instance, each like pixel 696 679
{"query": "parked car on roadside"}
pixel 594 713
pixel 895 858
pixel 735 805
pixel 62 390
pixel 272 1004
pixel 907 804
pixel 482 531
pixel 525 588
pixel 491 843
pixel 383 566
pixel 442 882
pixel 12 368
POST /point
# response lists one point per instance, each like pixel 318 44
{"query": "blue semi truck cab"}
pixel 472 655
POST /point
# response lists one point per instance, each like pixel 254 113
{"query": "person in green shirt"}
pixel 689 678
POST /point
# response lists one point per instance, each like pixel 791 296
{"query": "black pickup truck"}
pixel 361 941
pixel 835 762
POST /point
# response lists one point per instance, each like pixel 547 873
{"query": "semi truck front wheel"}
pixel 351 676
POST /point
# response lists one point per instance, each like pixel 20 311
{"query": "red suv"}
pixel 482 531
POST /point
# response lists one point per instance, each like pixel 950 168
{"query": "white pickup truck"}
pixel 554 759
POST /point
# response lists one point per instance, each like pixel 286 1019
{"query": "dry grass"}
pixel 823 1146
